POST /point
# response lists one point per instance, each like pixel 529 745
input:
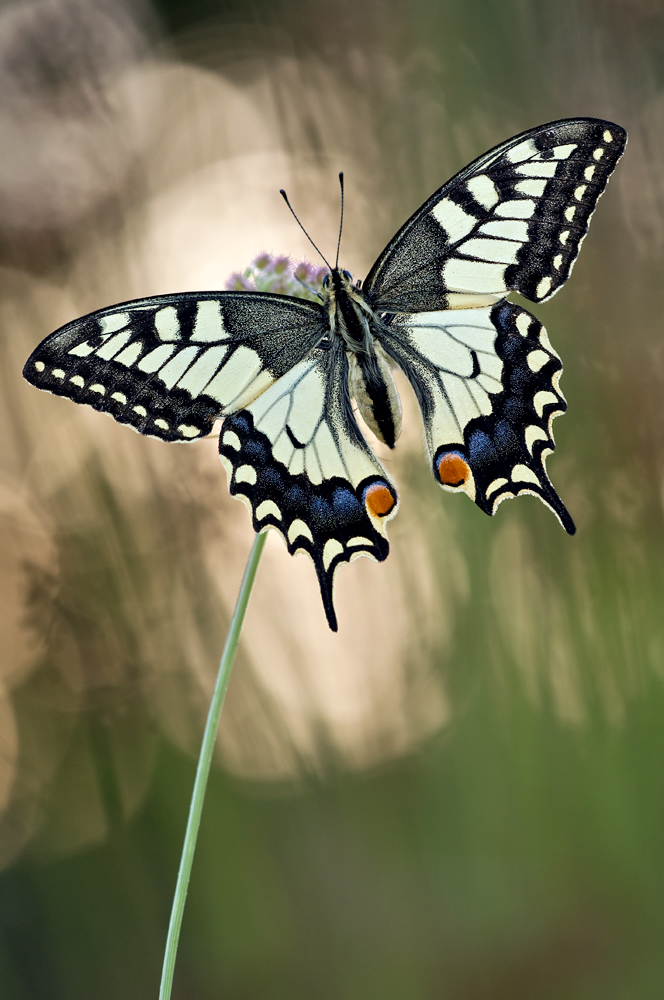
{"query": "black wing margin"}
pixel 512 220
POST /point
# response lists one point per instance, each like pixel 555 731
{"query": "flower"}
pixel 269 273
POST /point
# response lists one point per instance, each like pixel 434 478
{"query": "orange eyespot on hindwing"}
pixel 452 469
pixel 379 499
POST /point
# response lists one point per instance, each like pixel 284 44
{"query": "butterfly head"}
pixel 337 279
pixel 338 294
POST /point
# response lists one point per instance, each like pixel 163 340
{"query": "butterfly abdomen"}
pixel 372 386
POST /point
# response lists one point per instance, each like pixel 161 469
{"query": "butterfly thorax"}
pixel 349 313
pixel 370 374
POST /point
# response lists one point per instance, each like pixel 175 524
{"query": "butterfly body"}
pixel 284 373
pixel 352 318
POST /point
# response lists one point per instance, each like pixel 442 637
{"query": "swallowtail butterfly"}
pixel 285 373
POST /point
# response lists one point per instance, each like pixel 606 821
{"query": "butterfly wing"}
pixel 487 384
pixel 512 220
pixel 294 454
pixel 297 459
pixel 169 366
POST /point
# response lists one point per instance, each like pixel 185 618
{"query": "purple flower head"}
pixel 269 273
pixel 238 283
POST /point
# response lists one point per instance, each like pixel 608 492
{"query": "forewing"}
pixel 297 459
pixel 512 220
pixel 168 366
pixel 487 384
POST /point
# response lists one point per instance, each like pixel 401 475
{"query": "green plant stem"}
pixel 203 769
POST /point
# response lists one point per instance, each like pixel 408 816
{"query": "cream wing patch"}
pixel 455 357
pixel 295 415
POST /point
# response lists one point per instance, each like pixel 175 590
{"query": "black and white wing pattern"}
pixel 169 366
pixel 296 457
pixel 486 381
pixel 280 370
pixel 511 221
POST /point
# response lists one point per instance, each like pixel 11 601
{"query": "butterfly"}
pixel 287 375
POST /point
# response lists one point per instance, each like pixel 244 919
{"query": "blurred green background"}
pixel 461 796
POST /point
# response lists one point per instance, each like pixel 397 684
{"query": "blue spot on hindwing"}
pixel 346 506
pixel 254 451
pixel 506 440
pixel 296 497
pixel 320 513
pixel 480 449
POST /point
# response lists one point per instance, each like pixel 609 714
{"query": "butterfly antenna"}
pixel 285 197
pixel 341 221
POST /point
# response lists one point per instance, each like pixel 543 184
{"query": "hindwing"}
pixel 487 384
pixel 168 366
pixel 297 459
pixel 512 220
